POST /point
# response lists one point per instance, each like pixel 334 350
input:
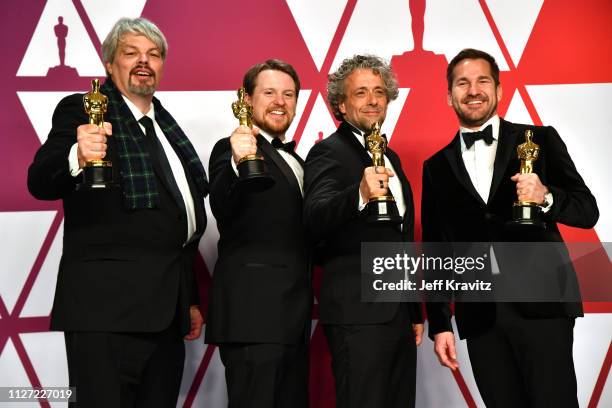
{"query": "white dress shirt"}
pixel 480 158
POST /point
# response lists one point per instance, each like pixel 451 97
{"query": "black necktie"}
pixel 469 138
pixel 289 147
pixel 156 150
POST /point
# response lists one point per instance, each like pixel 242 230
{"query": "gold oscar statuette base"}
pixel 383 209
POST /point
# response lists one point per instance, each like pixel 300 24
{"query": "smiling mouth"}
pixel 142 73
pixel 277 112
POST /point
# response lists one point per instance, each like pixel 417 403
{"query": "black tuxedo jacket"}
pixel 121 270
pixel 261 289
pixel 334 168
pixel 452 211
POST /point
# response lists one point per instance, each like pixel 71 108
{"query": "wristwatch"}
pixel 548 200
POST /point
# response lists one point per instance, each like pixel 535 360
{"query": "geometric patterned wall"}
pixel 556 70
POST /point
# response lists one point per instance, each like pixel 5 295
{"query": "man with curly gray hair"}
pixel 339 179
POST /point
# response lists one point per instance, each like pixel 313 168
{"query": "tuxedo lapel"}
pixel 506 147
pixel 452 152
pixel 349 137
pixel 270 152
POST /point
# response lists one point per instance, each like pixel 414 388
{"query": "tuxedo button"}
pixel 488 216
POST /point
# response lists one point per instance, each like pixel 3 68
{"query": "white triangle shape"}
pixel 317 21
pixel 394 110
pixel 585 129
pixel 366 33
pixel 42 52
pixel 517 111
pixel 40 300
pixel 104 14
pixel 39 107
pixel 27 231
pixel 194 352
pixel 320 125
pixel 47 352
pixel 592 335
pixel 515 20
pixel 451 26
pixel 213 390
pixel 606 394
pixel 313 326
pixel 12 373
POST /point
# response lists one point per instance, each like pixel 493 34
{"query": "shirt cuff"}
pixel 73 161
pixel 362 203
pixel 550 204
pixel 234 165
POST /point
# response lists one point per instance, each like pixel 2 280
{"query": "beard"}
pixel 142 90
pixel 273 127
pixel 471 120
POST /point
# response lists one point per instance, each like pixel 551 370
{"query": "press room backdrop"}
pixel 556 70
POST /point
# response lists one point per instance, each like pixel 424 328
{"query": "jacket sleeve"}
pixel 573 204
pixel 224 194
pixel 438 312
pixel 49 175
pixel 327 203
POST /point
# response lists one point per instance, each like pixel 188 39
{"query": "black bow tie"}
pixel 289 147
pixel 469 138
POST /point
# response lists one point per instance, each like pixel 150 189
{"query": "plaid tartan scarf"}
pixel 137 176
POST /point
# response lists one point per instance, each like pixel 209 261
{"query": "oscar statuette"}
pixel 382 208
pixel 252 169
pixel 527 213
pixel 97 174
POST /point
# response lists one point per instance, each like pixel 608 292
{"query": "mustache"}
pixel 481 98
pixel 142 67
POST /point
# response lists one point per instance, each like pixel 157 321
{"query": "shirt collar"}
pixel 358 133
pixel 136 112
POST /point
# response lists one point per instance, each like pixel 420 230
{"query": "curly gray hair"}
pixel 335 84
pixel 139 26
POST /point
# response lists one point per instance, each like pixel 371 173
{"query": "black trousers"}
pixel 125 369
pixel 523 362
pixel 266 375
pixel 374 365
